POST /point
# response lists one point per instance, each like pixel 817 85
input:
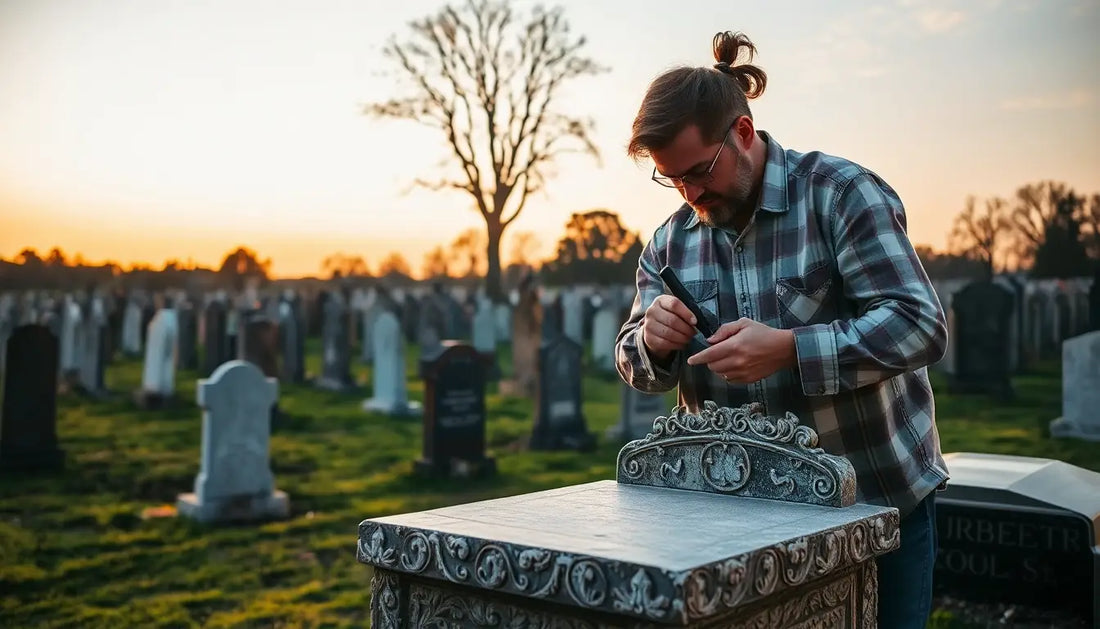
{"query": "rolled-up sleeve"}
pixel 634 364
pixel 901 325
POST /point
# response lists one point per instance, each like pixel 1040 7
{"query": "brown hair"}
pixel 710 98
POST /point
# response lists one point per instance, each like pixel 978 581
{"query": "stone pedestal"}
pixel 722 519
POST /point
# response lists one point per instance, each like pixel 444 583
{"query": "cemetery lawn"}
pixel 84 546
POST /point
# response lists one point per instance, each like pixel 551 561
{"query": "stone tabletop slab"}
pixel 662 554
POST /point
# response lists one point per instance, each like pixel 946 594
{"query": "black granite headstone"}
pixel 28 423
pixel 559 421
pixel 1020 530
pixel 454 414
pixel 983 312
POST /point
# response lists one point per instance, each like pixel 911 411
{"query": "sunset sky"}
pixel 148 130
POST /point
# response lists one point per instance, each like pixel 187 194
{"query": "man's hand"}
pixel 668 326
pixel 746 351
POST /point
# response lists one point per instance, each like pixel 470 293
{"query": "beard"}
pixel 721 209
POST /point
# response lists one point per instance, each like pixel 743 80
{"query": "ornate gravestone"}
pixel 1080 389
pixel 983 312
pixel 28 419
pixel 1020 530
pixel 559 420
pixel 454 414
pixel 725 518
pixel 235 482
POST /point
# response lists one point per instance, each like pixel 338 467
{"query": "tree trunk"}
pixel 493 285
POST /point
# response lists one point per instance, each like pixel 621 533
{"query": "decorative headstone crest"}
pixel 738 451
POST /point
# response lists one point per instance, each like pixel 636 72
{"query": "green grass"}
pixel 76 551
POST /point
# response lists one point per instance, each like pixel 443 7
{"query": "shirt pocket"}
pixel 806 299
pixel 705 293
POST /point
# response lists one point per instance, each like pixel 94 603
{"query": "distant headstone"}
pixel 189 335
pixel 559 420
pixel 502 316
pixel 572 310
pixel 93 356
pixel 983 312
pixel 216 348
pixel 28 423
pixel 526 338
pixel 1080 389
pixel 485 338
pixel 552 318
pixel 72 340
pixel 1020 530
pixel 131 329
pixel 605 327
pixel 260 344
pixel 292 342
pixel 235 482
pixel 454 414
pixel 158 377
pixel 391 395
pixel 433 326
pixel 335 347
pixel 636 414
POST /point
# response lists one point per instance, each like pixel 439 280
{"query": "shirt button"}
pixel 740 248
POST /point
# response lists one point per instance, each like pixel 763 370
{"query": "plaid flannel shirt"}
pixel 827 256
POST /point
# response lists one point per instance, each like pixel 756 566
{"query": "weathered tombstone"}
pixel 636 414
pixel 158 377
pixel 1020 530
pixel 188 339
pixel 1080 389
pixel 559 420
pixel 216 348
pixel 292 341
pixel 454 414
pixel 605 328
pixel 572 310
pixel 485 339
pixel 983 313
pixel 526 338
pixel 336 350
pixel 260 344
pixel 72 341
pixel 235 482
pixel 131 329
pixel 391 395
pixel 28 424
pixel 93 356
pixel 722 519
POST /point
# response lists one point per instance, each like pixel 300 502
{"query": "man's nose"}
pixel 691 191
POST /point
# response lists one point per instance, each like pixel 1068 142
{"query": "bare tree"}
pixel 1035 208
pixel 1090 227
pixel 394 264
pixel 489 80
pixel 980 233
pixel 468 252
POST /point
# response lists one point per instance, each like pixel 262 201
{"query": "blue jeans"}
pixel 905 575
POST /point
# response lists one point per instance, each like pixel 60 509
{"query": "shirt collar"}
pixel 773 195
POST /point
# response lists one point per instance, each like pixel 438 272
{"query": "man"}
pixel 825 309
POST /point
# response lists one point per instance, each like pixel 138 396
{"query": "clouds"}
pixel 1055 101
pixel 939 20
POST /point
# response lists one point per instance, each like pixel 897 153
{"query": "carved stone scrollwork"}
pixel 738 451
pixel 832 604
pixel 434 608
pixel 385 601
pixel 870 596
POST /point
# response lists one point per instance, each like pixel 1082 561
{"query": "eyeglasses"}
pixel 689 179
